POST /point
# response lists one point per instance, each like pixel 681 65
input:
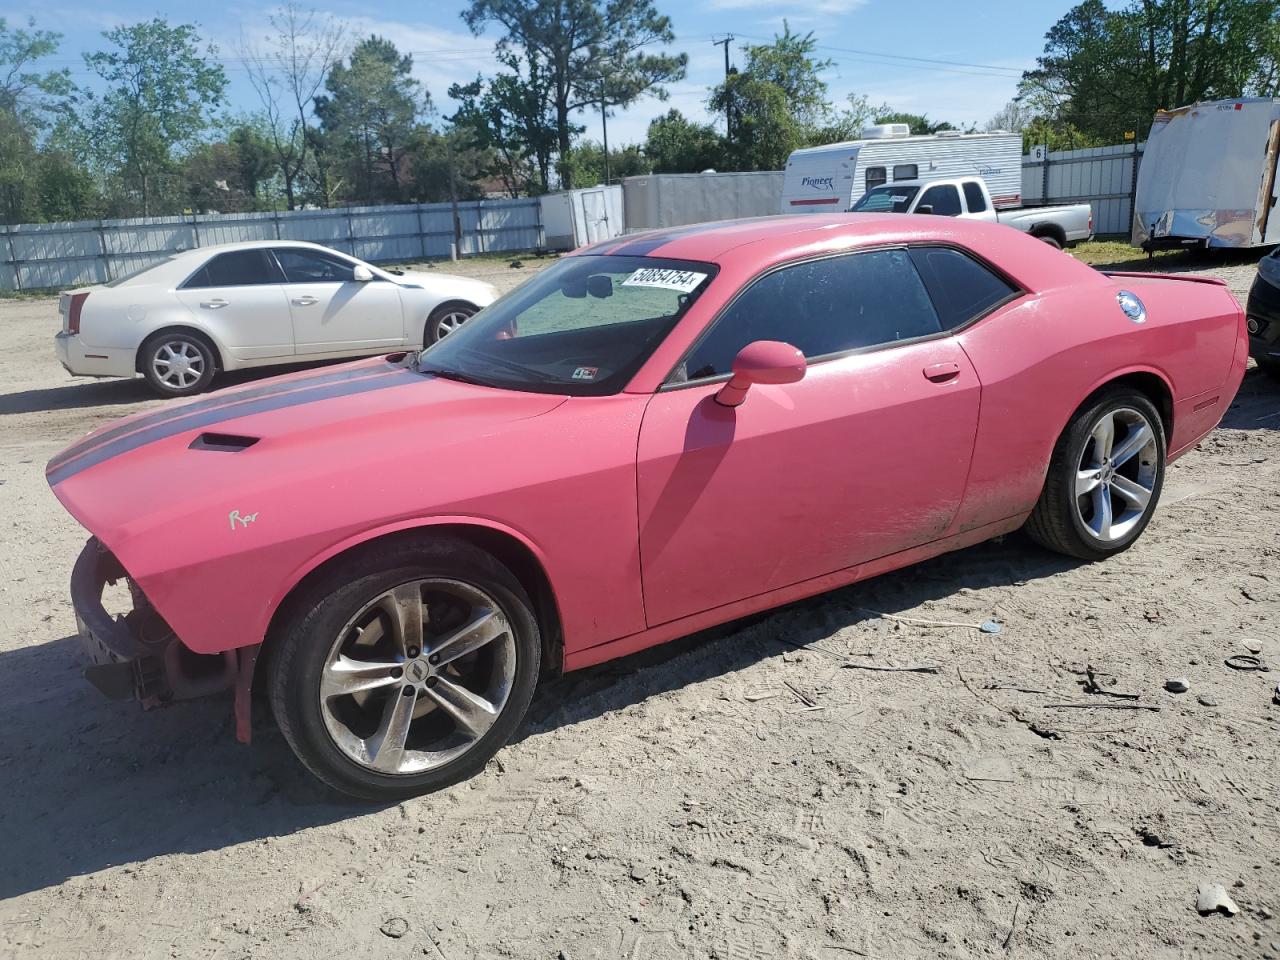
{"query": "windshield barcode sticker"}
pixel 683 280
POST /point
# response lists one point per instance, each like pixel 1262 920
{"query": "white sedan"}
pixel 254 304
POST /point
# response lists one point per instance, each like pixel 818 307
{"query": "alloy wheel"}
pixel 418 676
pixel 178 364
pixel 450 322
pixel 1116 475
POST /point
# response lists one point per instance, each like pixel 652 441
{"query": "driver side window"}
pixel 311 266
pixel 824 307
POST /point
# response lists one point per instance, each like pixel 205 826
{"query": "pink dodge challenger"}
pixel 657 434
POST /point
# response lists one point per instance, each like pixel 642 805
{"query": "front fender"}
pixel 317 560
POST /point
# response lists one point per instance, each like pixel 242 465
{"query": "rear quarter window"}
pixel 962 288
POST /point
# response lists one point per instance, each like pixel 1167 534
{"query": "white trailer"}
pixel 1208 176
pixel 835 176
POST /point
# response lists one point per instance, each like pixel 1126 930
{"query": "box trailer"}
pixel 1208 176
pixel 835 176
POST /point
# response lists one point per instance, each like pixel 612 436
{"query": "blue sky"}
pixel 995 39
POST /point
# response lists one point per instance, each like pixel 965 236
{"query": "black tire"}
pixel 325 608
pixel 162 347
pixel 1271 368
pixel 1057 522
pixel 453 313
pixel 1050 239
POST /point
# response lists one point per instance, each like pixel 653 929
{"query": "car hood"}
pixel 447 285
pixel 205 466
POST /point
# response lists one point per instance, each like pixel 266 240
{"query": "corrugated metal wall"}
pixel 61 255
pixel 1103 177
pixel 674 199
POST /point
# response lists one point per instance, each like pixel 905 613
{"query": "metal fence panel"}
pixel 64 255
pixel 1103 177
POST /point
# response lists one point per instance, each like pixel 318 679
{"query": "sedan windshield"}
pixel 886 199
pixel 582 327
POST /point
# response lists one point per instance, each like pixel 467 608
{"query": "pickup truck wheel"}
pixel 1050 240
pixel 405 668
pixel 1104 478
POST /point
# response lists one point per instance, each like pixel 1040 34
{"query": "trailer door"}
pixel 1268 218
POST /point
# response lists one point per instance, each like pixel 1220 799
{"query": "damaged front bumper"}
pixel 137 656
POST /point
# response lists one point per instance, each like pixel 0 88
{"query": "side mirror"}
pixel 764 361
pixel 925 208
pixel 361 273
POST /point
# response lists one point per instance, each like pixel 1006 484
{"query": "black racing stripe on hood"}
pixel 210 403
pixel 205 418
pixel 643 246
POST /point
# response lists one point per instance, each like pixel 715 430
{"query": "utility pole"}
pixel 728 112
pixel 604 126
pixel 456 252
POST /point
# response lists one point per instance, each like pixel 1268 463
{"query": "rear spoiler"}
pixel 1186 278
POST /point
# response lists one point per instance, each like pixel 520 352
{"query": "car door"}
pixel 238 297
pixel 332 311
pixel 864 457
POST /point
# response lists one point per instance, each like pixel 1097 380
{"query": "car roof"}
pixel 759 242
pixel 216 248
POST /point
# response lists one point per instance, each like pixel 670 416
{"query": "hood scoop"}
pixel 222 442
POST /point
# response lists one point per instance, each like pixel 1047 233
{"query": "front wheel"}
pixel 447 318
pixel 1271 368
pixel 1104 478
pixel 405 668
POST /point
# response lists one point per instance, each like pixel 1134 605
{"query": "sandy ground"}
pixel 730 796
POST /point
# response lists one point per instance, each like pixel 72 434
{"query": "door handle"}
pixel 942 372
pixel 216 304
pixel 305 301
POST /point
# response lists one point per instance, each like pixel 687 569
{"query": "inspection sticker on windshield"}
pixel 684 281
pixel 586 373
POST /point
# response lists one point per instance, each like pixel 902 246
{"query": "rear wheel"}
pixel 1050 239
pixel 1104 478
pixel 177 364
pixel 404 669
pixel 447 318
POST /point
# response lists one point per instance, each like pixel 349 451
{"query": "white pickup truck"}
pixel 968 197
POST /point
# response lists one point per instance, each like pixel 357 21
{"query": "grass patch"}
pixel 1118 255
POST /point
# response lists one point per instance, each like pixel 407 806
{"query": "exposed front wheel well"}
pixel 506 549
pixel 178 328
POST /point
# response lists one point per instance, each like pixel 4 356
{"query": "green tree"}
pixel 30 99
pixel 67 190
pixel 26 92
pixel 586 46
pixel 586 163
pixel 1107 71
pixel 676 144
pixel 287 73
pixel 918 122
pixel 160 91
pixel 510 118
pixel 765 129
pixel 775 104
pixel 370 114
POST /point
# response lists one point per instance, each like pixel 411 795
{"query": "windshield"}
pixel 886 199
pixel 583 326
